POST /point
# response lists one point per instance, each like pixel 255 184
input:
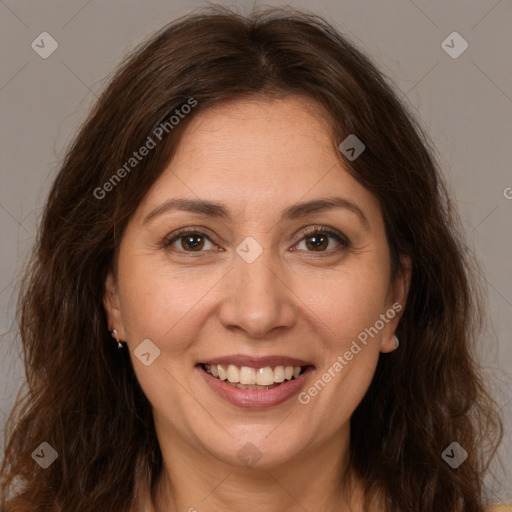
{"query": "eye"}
pixel 188 240
pixel 317 240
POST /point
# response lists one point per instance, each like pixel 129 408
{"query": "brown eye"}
pixel 188 241
pixel 193 242
pixel 319 239
pixel 317 242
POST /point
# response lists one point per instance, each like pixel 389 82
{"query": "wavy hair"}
pixel 82 396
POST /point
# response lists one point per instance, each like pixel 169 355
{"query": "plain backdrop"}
pixel 465 104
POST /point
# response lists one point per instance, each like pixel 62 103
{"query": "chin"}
pixel 256 450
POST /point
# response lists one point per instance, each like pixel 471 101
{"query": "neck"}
pixel 313 480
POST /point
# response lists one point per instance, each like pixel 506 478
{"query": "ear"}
pixel 397 298
pixel 112 306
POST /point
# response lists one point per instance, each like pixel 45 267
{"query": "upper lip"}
pixel 256 362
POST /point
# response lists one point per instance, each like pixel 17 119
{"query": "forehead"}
pixel 258 153
pixel 255 134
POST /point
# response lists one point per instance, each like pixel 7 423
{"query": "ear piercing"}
pixel 397 343
pixel 113 332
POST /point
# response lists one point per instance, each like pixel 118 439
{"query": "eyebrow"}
pixel 295 211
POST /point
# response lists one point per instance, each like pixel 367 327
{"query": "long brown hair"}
pixel 82 395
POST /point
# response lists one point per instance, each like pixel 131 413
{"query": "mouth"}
pixel 255 383
pixel 259 378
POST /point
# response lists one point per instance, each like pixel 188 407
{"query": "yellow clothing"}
pixel 505 507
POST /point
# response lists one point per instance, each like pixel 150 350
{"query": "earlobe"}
pixel 401 285
pixel 112 306
pixel 390 345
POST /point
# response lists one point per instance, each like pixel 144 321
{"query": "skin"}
pixel 256 156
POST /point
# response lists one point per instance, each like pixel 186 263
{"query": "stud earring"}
pixel 113 332
pixel 397 343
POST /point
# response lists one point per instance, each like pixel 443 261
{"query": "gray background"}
pixel 464 103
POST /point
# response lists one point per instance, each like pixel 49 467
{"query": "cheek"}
pixel 346 311
pixel 349 306
pixel 162 302
pixel 347 301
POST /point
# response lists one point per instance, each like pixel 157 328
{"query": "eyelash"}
pixel 343 240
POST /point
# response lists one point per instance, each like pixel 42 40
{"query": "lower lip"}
pixel 256 398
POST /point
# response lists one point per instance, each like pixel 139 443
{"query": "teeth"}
pixel 221 371
pixel 265 376
pixel 246 377
pixel 246 386
pixel 279 374
pixel 233 373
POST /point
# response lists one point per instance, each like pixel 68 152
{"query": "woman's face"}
pixel 256 290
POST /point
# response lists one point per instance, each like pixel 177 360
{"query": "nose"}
pixel 257 298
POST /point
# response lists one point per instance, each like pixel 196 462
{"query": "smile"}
pixel 246 377
pixel 255 384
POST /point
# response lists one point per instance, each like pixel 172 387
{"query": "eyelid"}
pixel 317 229
pixel 342 243
pixel 169 239
pixel 342 238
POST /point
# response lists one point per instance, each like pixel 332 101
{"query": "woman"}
pixel 249 292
